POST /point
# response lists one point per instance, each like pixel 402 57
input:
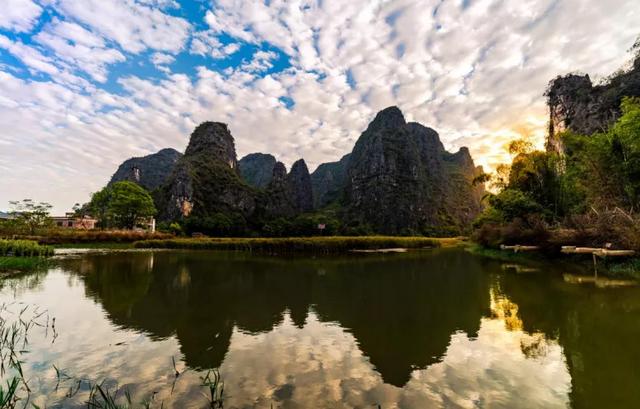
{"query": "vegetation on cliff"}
pixel 587 195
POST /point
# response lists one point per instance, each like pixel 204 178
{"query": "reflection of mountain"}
pixel 402 311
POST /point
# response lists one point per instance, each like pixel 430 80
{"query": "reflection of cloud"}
pixel 321 365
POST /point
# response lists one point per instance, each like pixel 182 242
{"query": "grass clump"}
pixel 23 255
pixel 24 248
pixel 333 244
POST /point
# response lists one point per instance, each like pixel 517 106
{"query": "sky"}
pixel 86 84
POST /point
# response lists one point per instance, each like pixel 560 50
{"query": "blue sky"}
pixel 85 84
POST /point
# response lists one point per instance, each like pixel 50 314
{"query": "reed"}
pixel 333 244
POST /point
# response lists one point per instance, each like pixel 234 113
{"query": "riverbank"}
pixel 333 244
pixel 628 268
pixel 10 265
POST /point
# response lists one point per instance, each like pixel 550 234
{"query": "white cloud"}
pixel 478 81
pixel 207 43
pixel 19 15
pixel 80 48
pixel 134 26
pixel 162 58
pixel 261 61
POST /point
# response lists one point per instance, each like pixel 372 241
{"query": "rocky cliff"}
pixel 328 182
pixel 206 180
pixel 256 169
pixel 300 188
pixel 576 104
pixel 402 180
pixel 398 179
pixel 288 195
pixel 149 171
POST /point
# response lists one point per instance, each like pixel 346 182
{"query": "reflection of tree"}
pixel 402 311
pixel 22 282
pixel 598 330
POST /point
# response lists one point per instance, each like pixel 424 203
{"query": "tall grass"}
pixel 17 322
pixel 60 236
pixel 334 244
pixel 24 248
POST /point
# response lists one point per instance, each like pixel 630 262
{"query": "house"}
pixel 71 221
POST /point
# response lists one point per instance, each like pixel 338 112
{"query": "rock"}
pixel 288 195
pixel 149 171
pixel 299 182
pixel 206 180
pixel 256 169
pixel 328 181
pixel 577 105
pixel 402 181
pixel 278 201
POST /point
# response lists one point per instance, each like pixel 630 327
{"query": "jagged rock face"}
pixel 401 180
pixel 205 180
pixel 256 169
pixel 328 181
pixel 289 194
pixel 299 182
pixel 213 138
pixel 576 104
pixel 149 171
pixel 278 201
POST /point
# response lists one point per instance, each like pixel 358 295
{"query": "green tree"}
pixel 31 215
pixel 99 206
pixel 128 203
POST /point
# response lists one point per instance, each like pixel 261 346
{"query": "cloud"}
pixel 134 26
pixel 80 48
pixel 206 42
pixel 162 58
pixel 478 81
pixel 19 15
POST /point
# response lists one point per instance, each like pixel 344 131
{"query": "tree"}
pixel 30 214
pixel 128 202
pixel 520 146
pixel 99 206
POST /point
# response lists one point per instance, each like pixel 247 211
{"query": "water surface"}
pixel 438 328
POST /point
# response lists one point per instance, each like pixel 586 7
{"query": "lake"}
pixel 424 329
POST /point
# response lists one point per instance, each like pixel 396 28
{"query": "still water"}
pixel 426 329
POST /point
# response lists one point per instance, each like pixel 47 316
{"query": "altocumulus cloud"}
pixel 87 84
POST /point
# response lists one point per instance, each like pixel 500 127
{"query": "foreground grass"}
pixel 333 244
